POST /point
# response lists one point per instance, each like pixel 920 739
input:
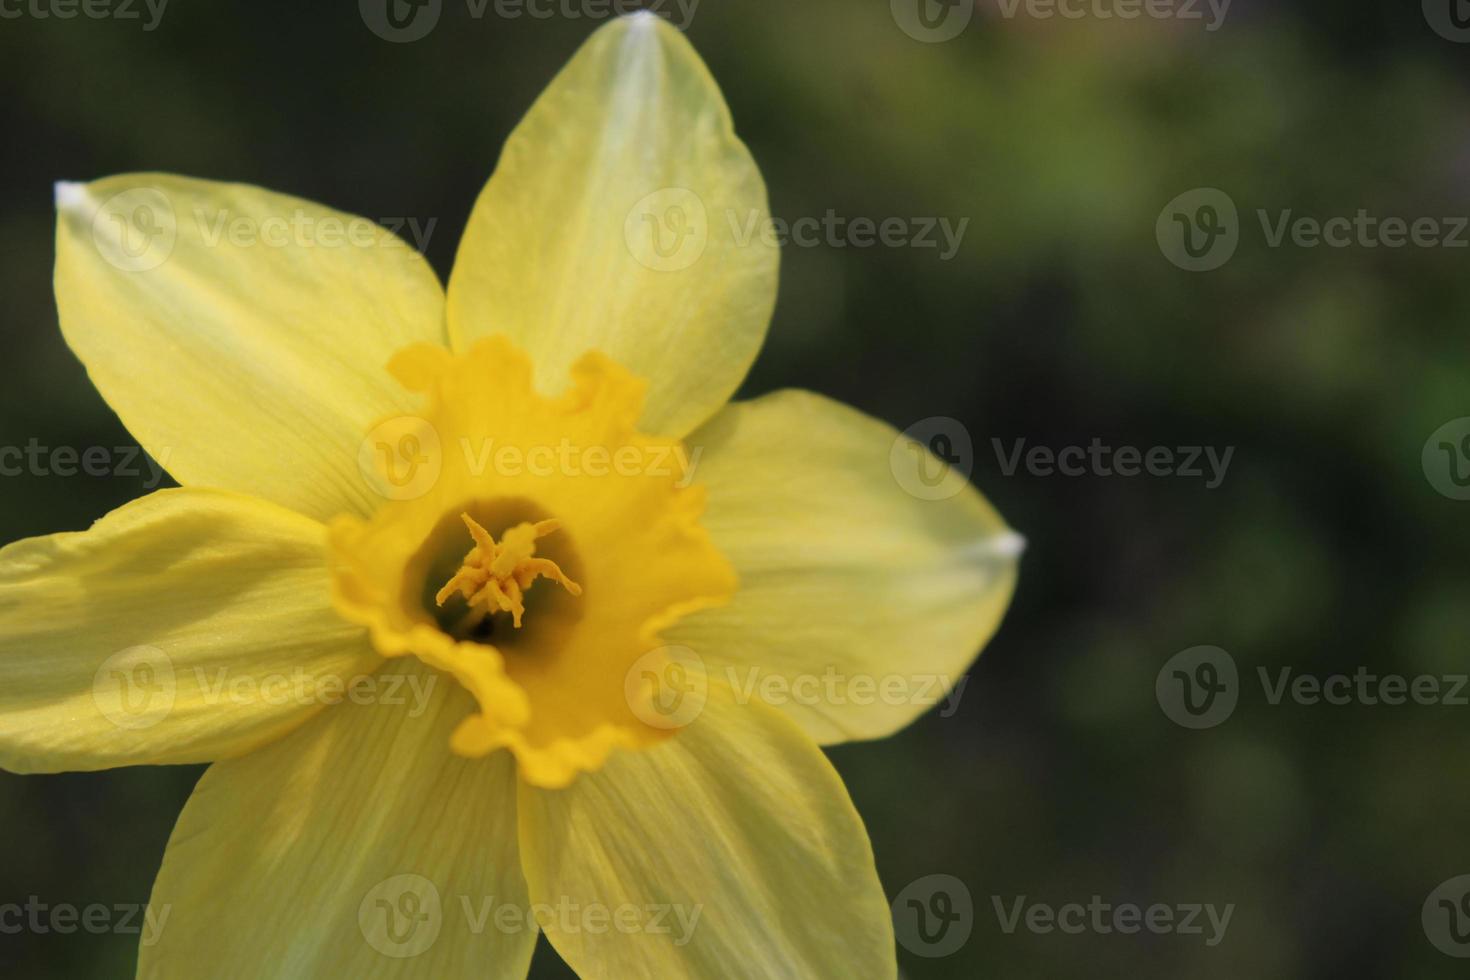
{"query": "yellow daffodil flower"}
pixel 471 595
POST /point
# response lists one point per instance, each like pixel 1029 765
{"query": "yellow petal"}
pixel 625 216
pixel 184 627
pixel 731 849
pixel 355 847
pixel 242 336
pixel 860 604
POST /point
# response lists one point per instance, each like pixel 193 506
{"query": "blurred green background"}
pixel 1058 321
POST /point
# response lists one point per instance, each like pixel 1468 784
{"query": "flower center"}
pixel 559 487
pixel 494 577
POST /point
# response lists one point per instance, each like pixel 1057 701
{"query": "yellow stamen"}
pixel 494 577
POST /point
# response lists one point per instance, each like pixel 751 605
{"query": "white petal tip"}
pixel 1008 545
pixel 70 196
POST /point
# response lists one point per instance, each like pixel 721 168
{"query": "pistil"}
pixel 495 575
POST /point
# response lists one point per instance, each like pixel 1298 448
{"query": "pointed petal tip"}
pixel 639 28
pixel 70 195
pixel 1008 545
pixel 645 26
